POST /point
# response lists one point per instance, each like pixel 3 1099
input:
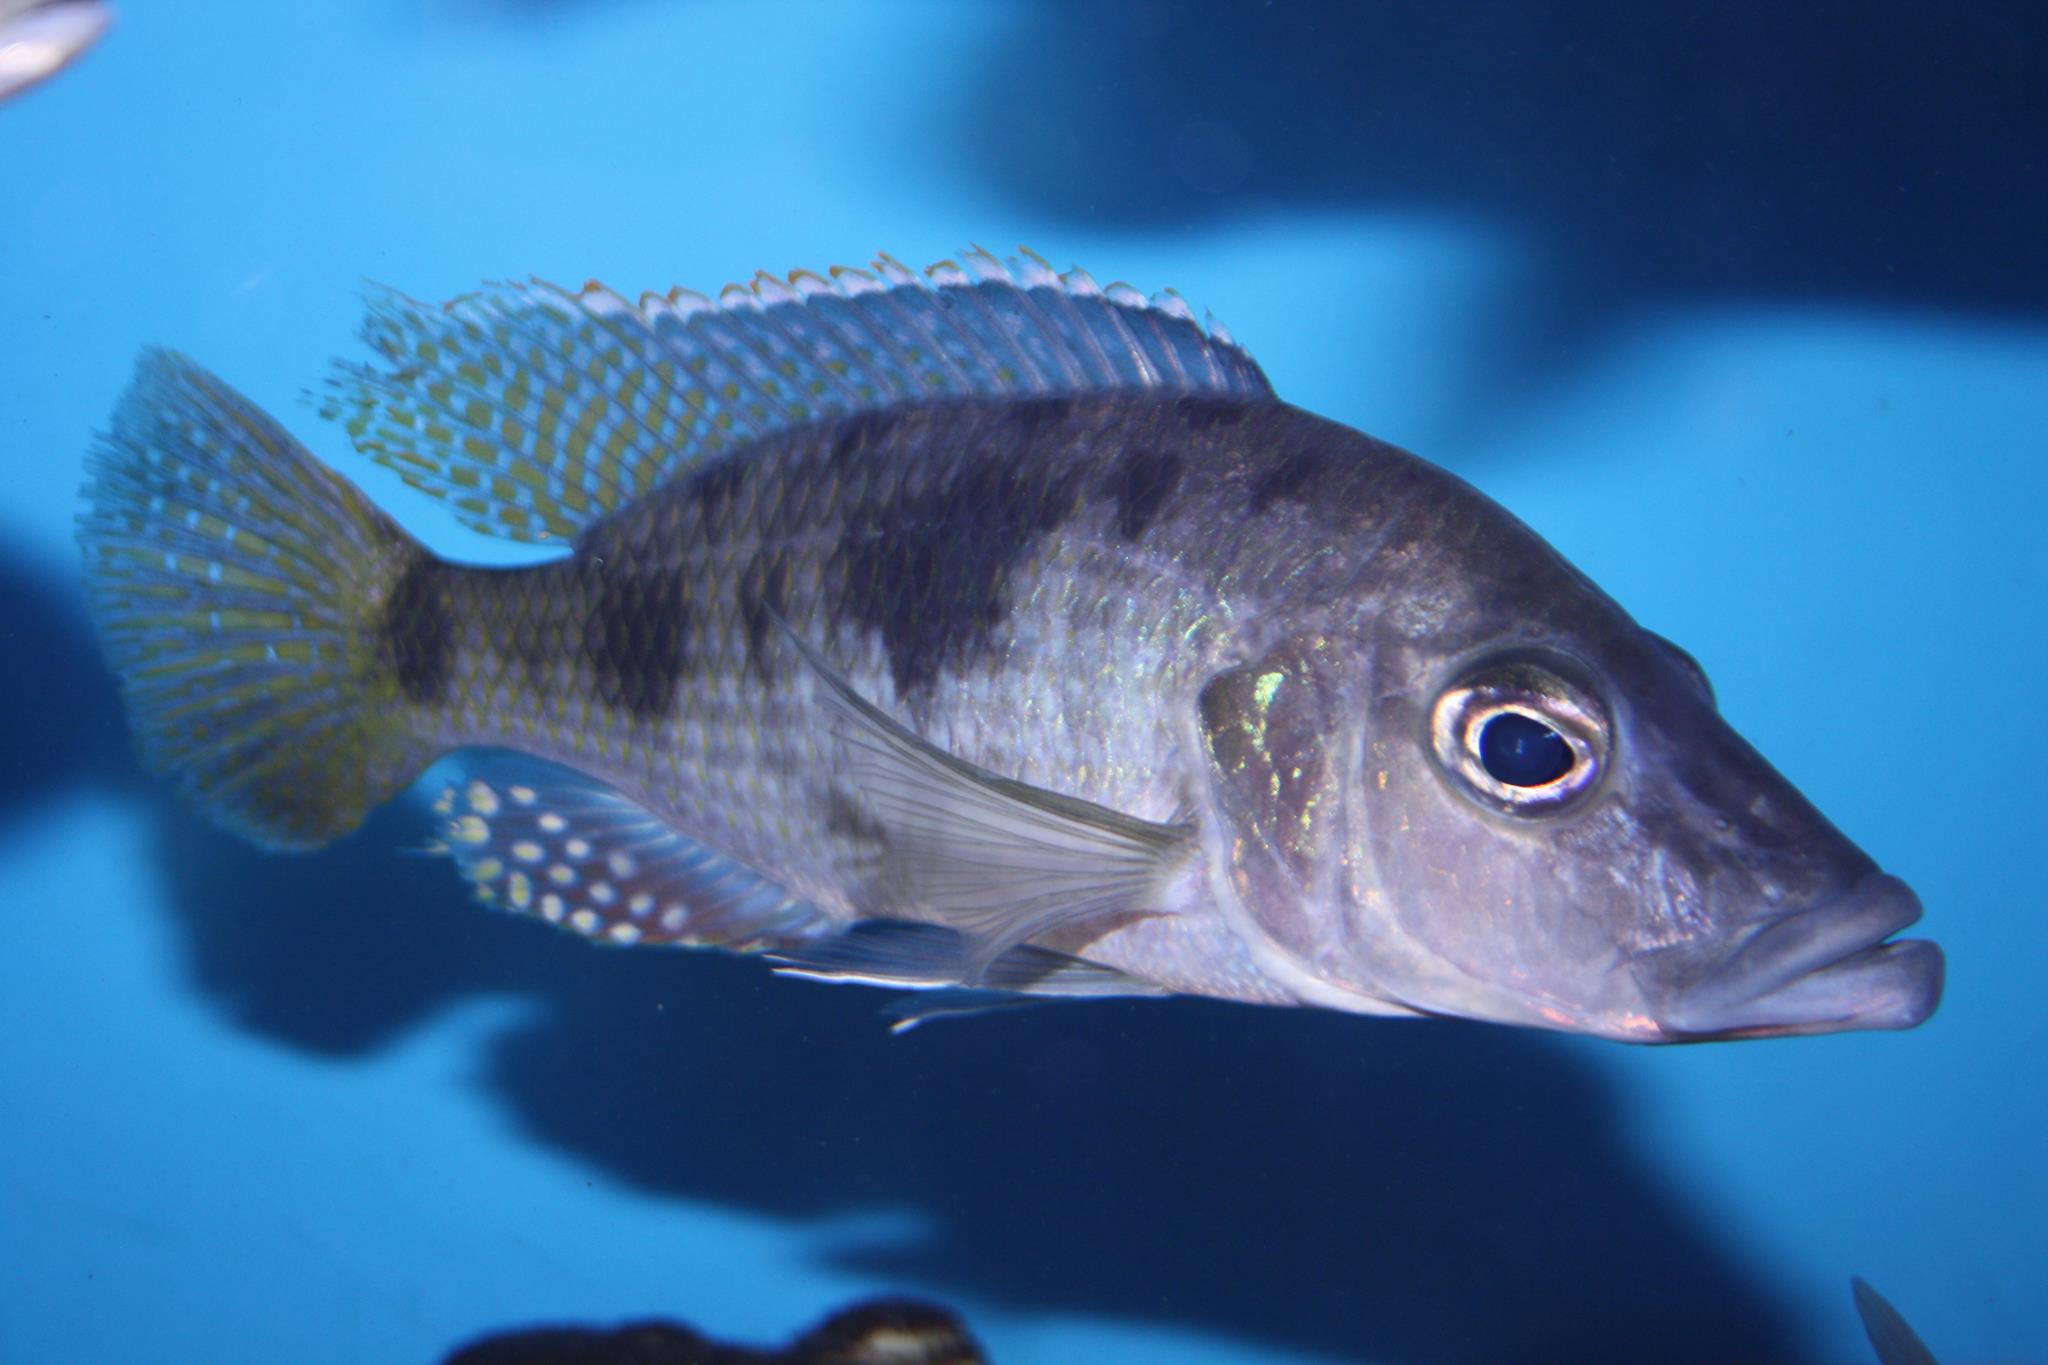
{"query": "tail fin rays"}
pixel 240 591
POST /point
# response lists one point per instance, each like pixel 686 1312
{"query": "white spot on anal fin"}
pixel 577 854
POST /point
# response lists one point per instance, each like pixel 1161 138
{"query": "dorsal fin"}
pixel 535 411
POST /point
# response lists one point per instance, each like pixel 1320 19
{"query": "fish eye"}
pixel 1522 751
pixel 1521 737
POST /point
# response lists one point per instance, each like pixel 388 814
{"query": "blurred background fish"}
pixel 877 1332
pixel 1894 1340
pixel 910 1332
pixel 39 38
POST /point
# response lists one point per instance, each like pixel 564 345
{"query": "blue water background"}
pixel 1745 310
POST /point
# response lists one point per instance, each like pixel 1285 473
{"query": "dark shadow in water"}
pixel 1439 1193
pixel 338 952
pixel 57 700
pixel 1436 1192
pixel 1888 154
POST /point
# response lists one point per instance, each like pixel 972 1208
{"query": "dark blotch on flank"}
pixel 1208 414
pixel 1033 417
pixel 636 635
pixel 524 620
pixel 859 434
pixel 712 489
pixel 761 603
pixel 929 572
pixel 1289 478
pixel 1141 481
pixel 418 632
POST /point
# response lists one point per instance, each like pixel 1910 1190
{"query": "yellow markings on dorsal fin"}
pixel 574 402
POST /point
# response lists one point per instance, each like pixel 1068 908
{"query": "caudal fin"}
pixel 240 588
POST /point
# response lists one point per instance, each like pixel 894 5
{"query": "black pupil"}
pixel 1523 752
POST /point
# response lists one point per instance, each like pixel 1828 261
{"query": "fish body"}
pixel 990 635
pixel 38 38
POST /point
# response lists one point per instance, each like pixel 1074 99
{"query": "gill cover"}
pixel 1272 730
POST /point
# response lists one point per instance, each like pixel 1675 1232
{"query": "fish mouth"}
pixel 1826 968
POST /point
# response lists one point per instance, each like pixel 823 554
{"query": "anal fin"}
pixel 552 842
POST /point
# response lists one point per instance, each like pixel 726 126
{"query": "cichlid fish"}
pixel 984 632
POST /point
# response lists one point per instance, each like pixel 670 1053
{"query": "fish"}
pixel 891 1331
pixel 1891 1336
pixel 38 38
pixel 910 1332
pixel 984 633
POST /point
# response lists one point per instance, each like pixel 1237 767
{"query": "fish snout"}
pixel 1828 967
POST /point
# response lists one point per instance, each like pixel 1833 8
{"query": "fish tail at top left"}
pixel 264 618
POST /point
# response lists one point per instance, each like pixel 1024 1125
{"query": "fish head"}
pixel 1497 797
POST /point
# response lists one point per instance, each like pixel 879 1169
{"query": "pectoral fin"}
pixel 998 861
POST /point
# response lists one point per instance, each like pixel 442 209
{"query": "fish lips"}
pixel 1826 968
